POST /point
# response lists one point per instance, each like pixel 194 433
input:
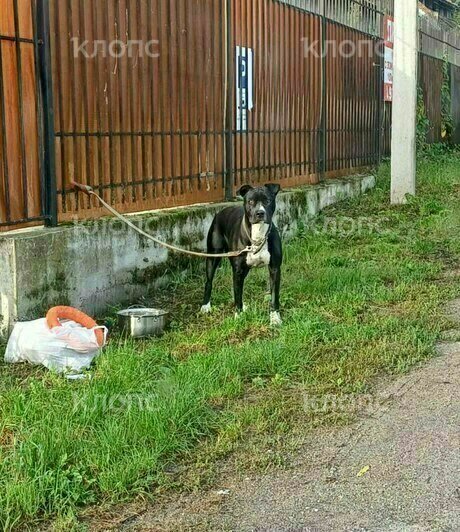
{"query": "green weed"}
pixel 357 303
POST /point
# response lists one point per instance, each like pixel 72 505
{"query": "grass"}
pixel 363 292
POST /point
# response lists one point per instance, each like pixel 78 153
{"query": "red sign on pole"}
pixel 389 47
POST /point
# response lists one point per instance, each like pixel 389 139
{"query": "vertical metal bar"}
pixel 170 82
pixel 196 104
pixel 106 23
pixel 60 87
pixel 143 99
pixel 245 174
pixel 367 71
pixel 38 103
pixel 298 97
pixel 25 198
pixel 355 110
pixel 180 77
pixel 240 134
pixel 256 58
pixel 100 149
pixel 294 168
pixel 291 89
pixel 5 140
pixel 323 126
pixel 309 59
pixel 373 126
pixel 265 101
pixel 153 99
pixel 371 106
pixel 123 141
pixel 332 120
pixel 291 44
pixel 191 85
pixel 77 155
pixel 130 80
pixel 204 43
pixel 218 101
pixel 278 87
pixel 49 161
pixel 270 88
pixel 283 11
pixel 229 138
pixel 85 98
pixel 162 98
pixel 381 105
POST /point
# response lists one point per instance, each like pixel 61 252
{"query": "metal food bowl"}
pixel 142 322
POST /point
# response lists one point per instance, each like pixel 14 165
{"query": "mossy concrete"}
pixel 97 265
pixel 7 285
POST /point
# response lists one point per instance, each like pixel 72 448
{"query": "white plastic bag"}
pixel 68 348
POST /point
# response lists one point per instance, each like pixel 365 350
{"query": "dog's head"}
pixel 260 202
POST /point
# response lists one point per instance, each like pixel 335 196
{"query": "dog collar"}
pixel 256 246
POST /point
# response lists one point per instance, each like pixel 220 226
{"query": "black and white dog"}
pixel 237 228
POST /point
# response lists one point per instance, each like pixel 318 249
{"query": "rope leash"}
pixel 233 254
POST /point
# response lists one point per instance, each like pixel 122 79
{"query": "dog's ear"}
pixel 273 188
pixel 244 190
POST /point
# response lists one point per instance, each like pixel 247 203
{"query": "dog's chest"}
pixel 258 260
pixel 259 236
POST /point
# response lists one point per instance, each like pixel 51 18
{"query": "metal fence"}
pixel 431 80
pixel 145 99
pixel 22 185
pixel 439 41
pixel 365 16
pixel 139 102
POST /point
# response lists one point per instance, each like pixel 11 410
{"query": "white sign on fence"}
pixel 244 86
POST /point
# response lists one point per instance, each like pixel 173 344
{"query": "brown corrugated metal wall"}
pixel 20 196
pixel 146 130
pixel 281 141
pixel 431 79
pixel 159 129
pixel 354 99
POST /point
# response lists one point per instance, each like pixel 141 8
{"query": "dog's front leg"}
pixel 211 267
pixel 240 272
pixel 275 286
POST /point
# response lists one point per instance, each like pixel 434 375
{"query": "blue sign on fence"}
pixel 244 86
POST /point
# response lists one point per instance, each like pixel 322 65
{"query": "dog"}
pixel 237 228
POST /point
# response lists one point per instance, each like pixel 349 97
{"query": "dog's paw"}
pixel 275 319
pixel 206 309
pixel 239 313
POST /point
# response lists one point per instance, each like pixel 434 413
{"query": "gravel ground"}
pixel 396 469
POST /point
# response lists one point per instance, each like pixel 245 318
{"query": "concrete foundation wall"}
pixel 8 310
pixel 98 264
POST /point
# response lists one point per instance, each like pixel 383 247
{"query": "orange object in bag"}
pixel 72 314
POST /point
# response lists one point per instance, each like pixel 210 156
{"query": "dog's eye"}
pixel 252 203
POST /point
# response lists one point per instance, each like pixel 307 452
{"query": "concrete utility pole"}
pixel 403 146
